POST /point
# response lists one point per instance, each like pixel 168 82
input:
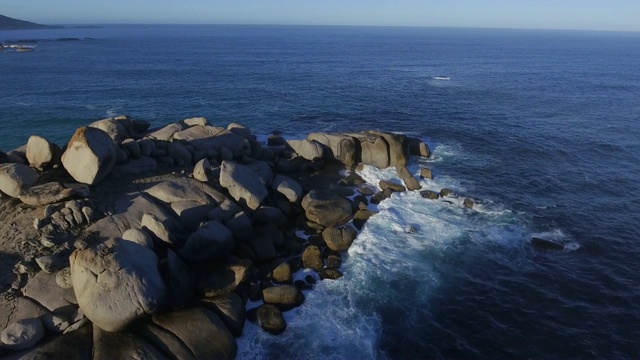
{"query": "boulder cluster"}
pixel 153 241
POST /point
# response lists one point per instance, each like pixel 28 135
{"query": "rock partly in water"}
pixel 284 296
pixel 545 245
pixel 270 319
pixel 468 203
pixel 426 173
pixel 428 194
pixel 339 239
pixel 330 273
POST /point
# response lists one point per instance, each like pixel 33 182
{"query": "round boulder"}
pixel 326 208
pixel 284 296
pixel 41 153
pixel 270 319
pixel 339 239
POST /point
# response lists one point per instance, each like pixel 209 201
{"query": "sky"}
pixel 617 15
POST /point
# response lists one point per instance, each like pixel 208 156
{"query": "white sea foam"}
pixel 387 266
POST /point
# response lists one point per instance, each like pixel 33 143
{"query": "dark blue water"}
pixel 543 128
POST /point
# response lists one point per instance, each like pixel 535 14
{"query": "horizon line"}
pixel 78 24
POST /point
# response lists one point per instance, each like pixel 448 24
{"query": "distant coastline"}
pixel 7 23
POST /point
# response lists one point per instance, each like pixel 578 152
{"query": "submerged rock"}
pixel 545 245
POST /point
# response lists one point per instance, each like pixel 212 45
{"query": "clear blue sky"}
pixel 538 14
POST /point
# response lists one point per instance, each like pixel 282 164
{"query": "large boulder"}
pixel 288 187
pixel 49 193
pixel 207 138
pixel 180 280
pixel 308 149
pixel 209 242
pixel 15 179
pixel 90 155
pixel 121 127
pixel 270 319
pixel 166 133
pixel 185 189
pixel 339 239
pixel 243 184
pixel 341 147
pixel 398 154
pixel 284 296
pixel 116 282
pixel 72 345
pixel 312 258
pixel 326 208
pixel 223 279
pixel 122 345
pixel 418 148
pixel 41 153
pixel 230 308
pixel 201 331
pixel 374 150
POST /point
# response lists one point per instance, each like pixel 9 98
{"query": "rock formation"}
pixel 150 242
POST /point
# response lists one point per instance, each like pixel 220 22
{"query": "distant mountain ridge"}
pixel 7 23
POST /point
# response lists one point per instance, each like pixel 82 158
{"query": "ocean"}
pixel 541 128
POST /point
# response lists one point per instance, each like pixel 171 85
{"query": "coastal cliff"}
pixel 7 23
pixel 127 238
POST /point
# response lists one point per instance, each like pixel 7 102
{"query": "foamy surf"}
pixel 394 265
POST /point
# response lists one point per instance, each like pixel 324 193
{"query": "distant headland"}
pixel 7 23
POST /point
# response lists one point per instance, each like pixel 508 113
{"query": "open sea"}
pixel 542 128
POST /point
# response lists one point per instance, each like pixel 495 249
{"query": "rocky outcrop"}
pixel 90 155
pixel 163 256
pixel 308 149
pixel 398 154
pixel 338 146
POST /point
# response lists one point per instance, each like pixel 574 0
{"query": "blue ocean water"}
pixel 541 127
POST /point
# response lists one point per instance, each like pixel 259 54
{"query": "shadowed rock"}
pixel 15 179
pixel 41 153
